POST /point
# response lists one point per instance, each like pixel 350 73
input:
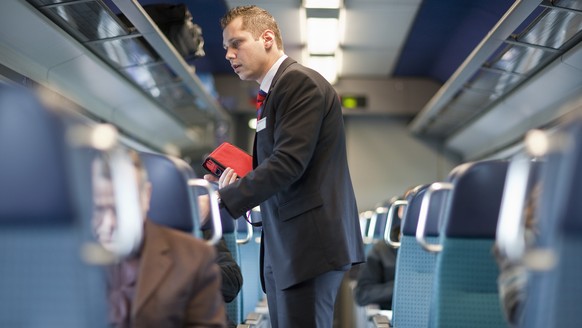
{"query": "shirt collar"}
pixel 266 84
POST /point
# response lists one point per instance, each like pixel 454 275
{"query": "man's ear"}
pixel 269 37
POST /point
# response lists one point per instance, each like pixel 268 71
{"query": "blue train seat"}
pixel 173 203
pixel 45 214
pixel 465 290
pixel 519 203
pixel 250 255
pixel 381 219
pixel 374 225
pixel 234 309
pixel 414 266
pixel 554 292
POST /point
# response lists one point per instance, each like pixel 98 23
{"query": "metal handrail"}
pixel 249 234
pixel 214 210
pixel 128 234
pixel 510 226
pixel 390 222
pixel 423 216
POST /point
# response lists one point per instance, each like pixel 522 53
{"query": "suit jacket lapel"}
pixel 284 65
pixel 155 262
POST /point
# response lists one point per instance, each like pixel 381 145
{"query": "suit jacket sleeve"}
pixel 300 103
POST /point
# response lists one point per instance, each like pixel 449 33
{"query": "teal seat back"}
pixel 465 291
pixel 252 292
pixel 413 283
pixel 555 294
pixel 45 220
pixel 414 266
pixel 229 234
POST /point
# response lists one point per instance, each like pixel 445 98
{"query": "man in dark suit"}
pixel 171 280
pixel 311 233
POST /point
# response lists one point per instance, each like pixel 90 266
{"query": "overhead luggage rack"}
pixel 531 35
pixel 142 54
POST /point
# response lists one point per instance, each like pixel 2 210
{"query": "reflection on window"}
pixel 554 29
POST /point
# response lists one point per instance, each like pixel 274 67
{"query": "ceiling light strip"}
pixel 323 37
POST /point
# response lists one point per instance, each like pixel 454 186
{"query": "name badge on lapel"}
pixel 262 124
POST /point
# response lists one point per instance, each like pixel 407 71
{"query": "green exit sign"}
pixel 354 102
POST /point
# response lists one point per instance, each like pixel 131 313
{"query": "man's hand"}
pixel 227 177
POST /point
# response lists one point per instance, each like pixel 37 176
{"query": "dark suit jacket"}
pixel 301 179
pixel 178 283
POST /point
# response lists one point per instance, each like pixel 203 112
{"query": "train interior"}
pixel 474 107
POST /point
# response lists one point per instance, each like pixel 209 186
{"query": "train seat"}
pixel 375 230
pixel 250 256
pixel 173 203
pixel 45 210
pixel 554 292
pixel 465 290
pixel 229 233
pixel 414 266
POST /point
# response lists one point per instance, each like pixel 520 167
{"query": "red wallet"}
pixel 228 155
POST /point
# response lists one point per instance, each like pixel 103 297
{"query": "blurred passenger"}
pixel 375 282
pixel 512 280
pixel 232 279
pixel 172 280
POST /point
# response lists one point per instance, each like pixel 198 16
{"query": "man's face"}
pixel 105 218
pixel 104 213
pixel 247 56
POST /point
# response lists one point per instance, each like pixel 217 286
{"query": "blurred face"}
pixel 104 213
pixel 104 219
pixel 248 57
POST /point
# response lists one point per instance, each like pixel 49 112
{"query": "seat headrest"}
pixel 381 220
pixel 562 177
pixel 413 210
pixel 173 204
pixel 35 187
pixel 473 205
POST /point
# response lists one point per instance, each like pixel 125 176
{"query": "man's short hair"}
pixel 255 20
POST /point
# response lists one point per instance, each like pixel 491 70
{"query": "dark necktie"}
pixel 260 98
